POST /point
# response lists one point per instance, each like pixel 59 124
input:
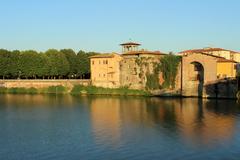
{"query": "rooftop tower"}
pixel 130 47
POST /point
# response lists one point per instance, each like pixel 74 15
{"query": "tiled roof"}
pixel 105 55
pixel 144 52
pixel 219 59
pixel 206 50
pixel 130 43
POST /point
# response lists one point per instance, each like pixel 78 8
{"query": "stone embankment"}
pixel 39 84
pixel 219 89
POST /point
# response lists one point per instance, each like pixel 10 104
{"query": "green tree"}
pixel 59 65
pixel 4 59
pixel 43 66
pixel 72 60
pixel 28 64
pixel 13 64
pixel 9 61
pixel 51 64
pixel 84 63
pixel 82 58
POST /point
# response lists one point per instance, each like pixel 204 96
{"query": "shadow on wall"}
pixel 223 88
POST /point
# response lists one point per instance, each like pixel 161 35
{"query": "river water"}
pixel 46 127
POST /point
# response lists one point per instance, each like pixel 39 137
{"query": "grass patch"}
pixel 92 90
pixel 49 90
pixel 77 90
pixel 3 90
pixel 56 90
pixel 32 91
pixel 18 90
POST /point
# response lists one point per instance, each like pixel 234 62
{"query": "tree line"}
pixel 52 64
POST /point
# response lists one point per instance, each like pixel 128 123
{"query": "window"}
pixel 99 62
pixel 106 61
pixel 92 62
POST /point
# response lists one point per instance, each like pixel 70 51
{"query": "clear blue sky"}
pixel 101 25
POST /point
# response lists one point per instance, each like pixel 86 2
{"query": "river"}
pixel 46 127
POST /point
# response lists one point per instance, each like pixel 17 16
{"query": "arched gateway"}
pixel 197 70
pixel 197 77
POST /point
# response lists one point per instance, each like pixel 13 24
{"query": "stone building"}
pixel 199 70
pixel 129 69
pixel 105 70
pixel 137 65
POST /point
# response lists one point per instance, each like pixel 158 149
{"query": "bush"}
pixel 32 91
pixel 3 90
pixel 17 90
pixel 92 90
pixel 56 90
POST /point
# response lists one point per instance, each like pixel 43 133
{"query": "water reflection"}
pixel 126 128
pixel 197 122
pixel 106 112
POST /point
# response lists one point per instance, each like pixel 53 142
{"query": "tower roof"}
pixel 130 43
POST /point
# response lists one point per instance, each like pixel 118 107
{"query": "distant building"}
pixel 220 52
pixel 134 66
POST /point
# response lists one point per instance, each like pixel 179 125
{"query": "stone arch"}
pixel 197 76
pixel 198 71
pixel 206 69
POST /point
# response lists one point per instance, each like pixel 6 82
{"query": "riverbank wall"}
pixel 220 89
pixel 39 84
pixel 224 89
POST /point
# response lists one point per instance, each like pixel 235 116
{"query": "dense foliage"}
pixel 152 82
pixel 49 65
pixel 169 68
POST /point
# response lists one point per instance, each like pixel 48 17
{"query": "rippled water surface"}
pixel 64 128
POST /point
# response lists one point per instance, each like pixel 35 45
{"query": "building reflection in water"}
pixel 194 121
pixel 201 125
pixel 115 119
pixel 106 120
